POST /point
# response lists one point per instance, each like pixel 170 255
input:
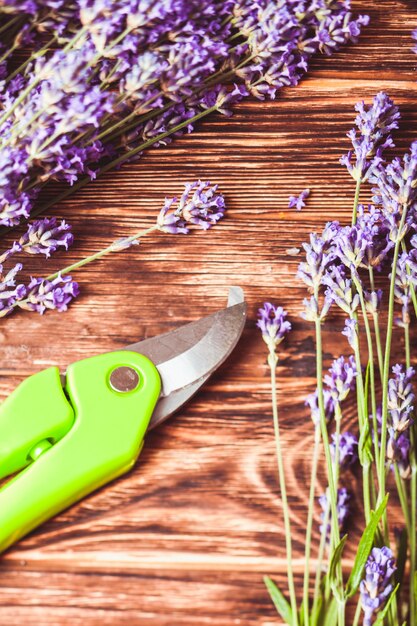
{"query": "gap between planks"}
pixel 137 562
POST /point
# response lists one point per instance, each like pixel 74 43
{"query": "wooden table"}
pixel 186 537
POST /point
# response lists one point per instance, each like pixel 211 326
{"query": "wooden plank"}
pixel 186 537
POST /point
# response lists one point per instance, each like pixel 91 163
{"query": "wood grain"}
pixel 185 538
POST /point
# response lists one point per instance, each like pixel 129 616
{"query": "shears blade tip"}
pixel 187 356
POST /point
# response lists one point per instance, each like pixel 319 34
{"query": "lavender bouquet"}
pixel 365 272
pixel 89 84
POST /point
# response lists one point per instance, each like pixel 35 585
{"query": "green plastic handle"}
pixel 70 448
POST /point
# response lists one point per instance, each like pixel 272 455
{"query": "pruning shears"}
pixel 68 435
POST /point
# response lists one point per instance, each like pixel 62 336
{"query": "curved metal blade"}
pixel 187 356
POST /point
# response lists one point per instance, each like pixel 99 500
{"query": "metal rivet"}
pixel 124 379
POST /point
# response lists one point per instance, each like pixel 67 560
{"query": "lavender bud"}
pixel 348 449
pixel 343 511
pixel 312 401
pixel 350 331
pixel 341 378
pixel 10 292
pixel 341 290
pixel 273 325
pixel 46 236
pixel 45 295
pixel 376 587
pixel 373 135
pixel 400 398
pixel 200 204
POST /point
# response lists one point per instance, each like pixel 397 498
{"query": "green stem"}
pixel 402 494
pixel 320 557
pixel 376 328
pixel 309 528
pixel 272 360
pixel 356 201
pixel 335 533
pixel 101 253
pixel 387 355
pixel 368 332
pixel 35 55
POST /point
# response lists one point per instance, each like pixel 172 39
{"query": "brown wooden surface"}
pixel 186 537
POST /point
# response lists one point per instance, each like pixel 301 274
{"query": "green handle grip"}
pixel 94 438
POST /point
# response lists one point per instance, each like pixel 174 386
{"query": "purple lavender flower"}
pixel 298 202
pixel 312 310
pixel 341 290
pixel 351 245
pixel 396 191
pixel 376 587
pixel 373 301
pixel 46 236
pixel 200 204
pixel 405 281
pixel 282 38
pixel 43 295
pixel 312 401
pixel 398 452
pixel 273 325
pixel 372 136
pixel 343 511
pixel 401 398
pixel 350 331
pixel 341 378
pixel 320 254
pixel 10 292
pixel 372 224
pixel 348 449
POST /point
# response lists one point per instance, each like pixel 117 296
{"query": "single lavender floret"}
pixel 401 398
pixel 298 202
pixel 373 135
pixel 43 295
pixel 348 449
pixel 343 510
pixel 273 324
pixel 341 378
pixel 376 587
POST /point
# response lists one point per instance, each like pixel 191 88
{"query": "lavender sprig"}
pixel 200 206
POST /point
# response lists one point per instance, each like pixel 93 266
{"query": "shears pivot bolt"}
pixel 124 379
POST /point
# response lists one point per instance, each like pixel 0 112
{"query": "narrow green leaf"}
pixel 281 604
pixel 330 616
pixel 382 614
pixel 334 562
pixel 364 549
pixel 315 612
